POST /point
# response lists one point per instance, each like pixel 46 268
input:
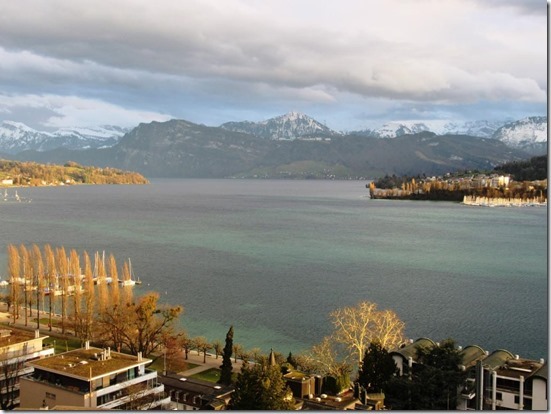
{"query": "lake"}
pixel 274 257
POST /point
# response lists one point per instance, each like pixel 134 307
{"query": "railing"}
pixel 125 384
pixel 159 388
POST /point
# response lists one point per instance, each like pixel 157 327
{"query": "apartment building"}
pixel 18 346
pixel 93 378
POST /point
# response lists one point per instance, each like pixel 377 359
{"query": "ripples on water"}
pixel 273 258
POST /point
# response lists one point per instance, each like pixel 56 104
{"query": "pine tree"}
pixel 226 367
pixel 377 368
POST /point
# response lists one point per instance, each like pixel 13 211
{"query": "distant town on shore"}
pixel 500 187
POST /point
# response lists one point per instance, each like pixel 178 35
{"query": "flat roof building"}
pixel 18 346
pixel 93 378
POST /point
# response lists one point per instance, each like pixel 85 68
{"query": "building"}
pixel 502 380
pixel 406 356
pixel 93 378
pixel 193 394
pixel 18 346
pixel 499 380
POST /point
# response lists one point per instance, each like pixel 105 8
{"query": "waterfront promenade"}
pixel 193 357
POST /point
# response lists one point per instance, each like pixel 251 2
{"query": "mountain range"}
pixel 290 146
pixel 16 137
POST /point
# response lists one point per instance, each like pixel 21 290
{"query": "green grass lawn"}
pixel 63 345
pixel 158 364
pixel 210 375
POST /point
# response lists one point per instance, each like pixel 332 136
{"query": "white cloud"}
pixel 71 111
pixel 154 55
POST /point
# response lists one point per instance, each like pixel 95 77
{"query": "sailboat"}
pixel 130 281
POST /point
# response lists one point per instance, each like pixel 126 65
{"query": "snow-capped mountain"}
pixel 529 134
pixel 393 129
pixel 290 126
pixel 16 137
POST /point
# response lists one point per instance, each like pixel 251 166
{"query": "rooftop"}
pixel 514 368
pixel 87 363
pixel 13 336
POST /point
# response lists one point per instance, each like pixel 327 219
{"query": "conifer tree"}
pixel 377 368
pixel 226 367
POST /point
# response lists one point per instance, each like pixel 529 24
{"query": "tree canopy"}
pixel 377 368
pixel 261 387
pixel 357 326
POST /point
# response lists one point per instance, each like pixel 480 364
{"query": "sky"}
pixel 351 64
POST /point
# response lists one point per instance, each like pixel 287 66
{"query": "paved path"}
pixel 193 358
pixel 212 362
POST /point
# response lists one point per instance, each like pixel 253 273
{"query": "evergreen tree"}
pixel 437 377
pixel 377 368
pixel 226 367
pixel 261 387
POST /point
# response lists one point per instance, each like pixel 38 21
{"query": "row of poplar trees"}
pixel 33 272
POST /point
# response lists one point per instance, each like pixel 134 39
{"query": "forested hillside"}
pixel 533 169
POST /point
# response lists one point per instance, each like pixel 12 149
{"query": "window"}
pixel 499 396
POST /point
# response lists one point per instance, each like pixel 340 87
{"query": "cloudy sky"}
pixel 349 63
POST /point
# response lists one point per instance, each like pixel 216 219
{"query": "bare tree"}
pixel 357 326
pixel 115 293
pixel 390 332
pixel 63 272
pixel 51 278
pixel 38 267
pixel 99 270
pixel 14 270
pixel 256 353
pixel 11 365
pixel 217 346
pixel 128 295
pixel 89 298
pixel 76 274
pixel 203 345
pixel 237 348
pixel 26 268
pixel 327 358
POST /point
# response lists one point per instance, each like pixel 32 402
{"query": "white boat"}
pixel 128 282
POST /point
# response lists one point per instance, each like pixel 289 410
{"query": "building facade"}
pixel 93 378
pixel 18 346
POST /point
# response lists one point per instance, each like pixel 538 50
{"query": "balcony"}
pixel 134 398
pixel 149 375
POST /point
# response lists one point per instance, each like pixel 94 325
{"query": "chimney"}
pixel 87 345
pixel 36 334
pixel 139 356
pixel 542 361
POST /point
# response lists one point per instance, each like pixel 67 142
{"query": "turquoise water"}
pixel 273 258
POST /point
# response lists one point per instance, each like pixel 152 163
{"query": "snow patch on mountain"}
pixel 292 125
pixel 393 129
pixel 16 137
